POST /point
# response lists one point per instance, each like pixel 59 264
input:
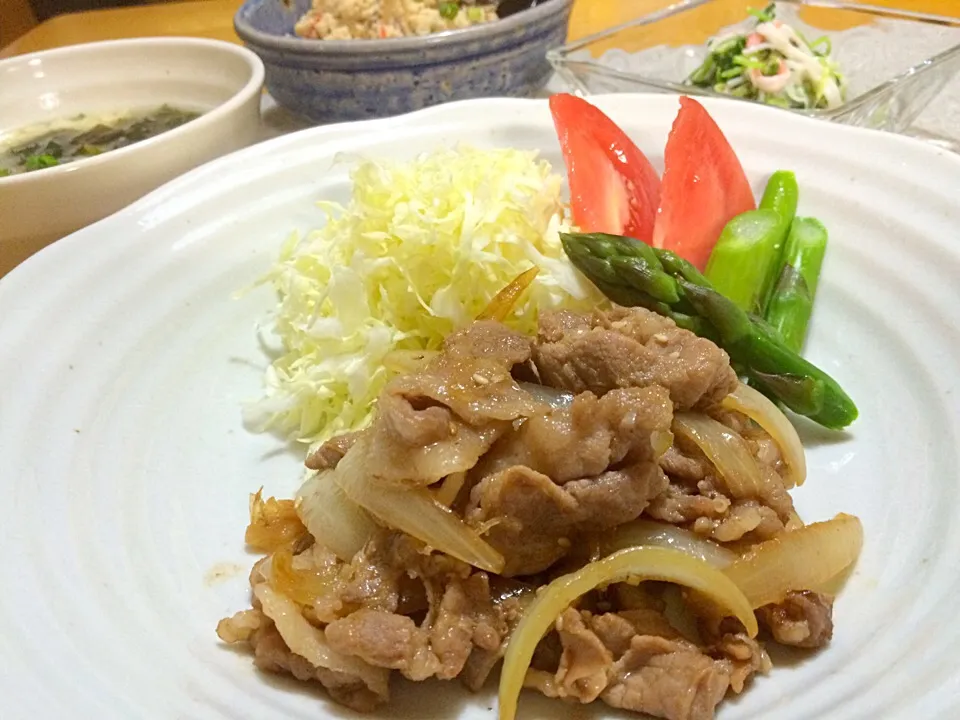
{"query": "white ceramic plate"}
pixel 125 466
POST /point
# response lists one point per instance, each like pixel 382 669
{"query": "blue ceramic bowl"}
pixel 336 80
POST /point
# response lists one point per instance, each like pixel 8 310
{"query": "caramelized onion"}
pixel 726 450
pixel 802 559
pixel 310 643
pixel 335 522
pixel 274 524
pixel 413 511
pixel 768 416
pixel 503 302
pixel 636 564
pixel 650 533
pixel 301 586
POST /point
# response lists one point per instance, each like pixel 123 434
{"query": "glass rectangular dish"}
pixel 899 64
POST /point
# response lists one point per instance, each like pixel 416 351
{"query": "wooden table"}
pixel 214 19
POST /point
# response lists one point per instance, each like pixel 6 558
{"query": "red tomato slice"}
pixel 704 186
pixel 613 187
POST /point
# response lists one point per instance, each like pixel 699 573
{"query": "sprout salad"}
pixel 772 63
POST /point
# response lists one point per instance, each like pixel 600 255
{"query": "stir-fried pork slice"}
pixel 617 630
pixel 668 679
pixel 549 480
pixel 510 599
pixel 271 654
pixel 533 521
pixel 803 619
pixel 492 340
pixel 441 419
pixel 631 347
pixel 743 517
pixel 637 661
pixel 588 437
pixel 677 505
pixel 687 468
pixel 465 619
pixel 746 657
pixel 472 376
pixel 284 641
pixel 585 661
pixel 385 640
pixel 420 444
pixel 240 627
pixel 699 497
pixel 390 574
pixel 366 613
pixel 328 454
pixel 371 580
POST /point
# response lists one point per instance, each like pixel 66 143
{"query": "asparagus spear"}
pixel 745 262
pixel 610 261
pixel 747 252
pixel 792 302
pixel 781 194
pixel 758 348
pixel 804 395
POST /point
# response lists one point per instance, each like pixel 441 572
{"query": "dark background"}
pixel 45 9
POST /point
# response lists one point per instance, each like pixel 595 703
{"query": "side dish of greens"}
pixel 772 63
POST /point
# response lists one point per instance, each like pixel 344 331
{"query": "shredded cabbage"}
pixel 419 250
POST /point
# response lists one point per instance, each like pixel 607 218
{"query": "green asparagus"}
pixel 747 253
pixel 612 262
pixel 756 347
pixel 745 262
pixel 791 305
pixel 782 195
pixel 803 394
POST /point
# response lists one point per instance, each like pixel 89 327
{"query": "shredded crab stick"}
pixel 771 84
pixel 636 564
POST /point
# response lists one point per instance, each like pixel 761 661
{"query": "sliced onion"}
pixel 756 406
pixel 413 511
pixel 802 559
pixel 650 533
pixel 646 563
pixel 303 586
pixel 554 397
pixel 726 450
pixel 660 442
pixel 502 303
pixel 450 488
pixel 795 522
pixel 335 522
pixel 310 643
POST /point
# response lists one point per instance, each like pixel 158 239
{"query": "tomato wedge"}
pixel 704 186
pixel 613 187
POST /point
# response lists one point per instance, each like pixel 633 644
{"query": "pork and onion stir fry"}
pixel 602 511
